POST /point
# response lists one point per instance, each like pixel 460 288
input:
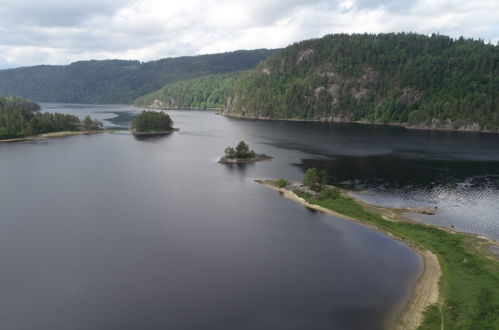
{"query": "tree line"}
pixel 118 81
pixel 204 92
pixel 17 122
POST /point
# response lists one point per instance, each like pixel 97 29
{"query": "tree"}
pixel 87 122
pixel 281 183
pixel 314 178
pixel 243 151
pixel 230 153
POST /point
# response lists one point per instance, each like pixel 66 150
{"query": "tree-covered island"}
pixel 152 123
pixel 242 154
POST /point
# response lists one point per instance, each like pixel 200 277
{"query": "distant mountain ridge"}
pixel 118 81
pixel 410 79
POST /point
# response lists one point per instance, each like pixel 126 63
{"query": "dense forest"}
pixel 422 81
pixel 204 92
pixel 17 120
pixel 118 81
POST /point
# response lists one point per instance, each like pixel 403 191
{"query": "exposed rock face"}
pixel 170 103
pixel 409 96
pixel 448 125
pixel 304 55
pixel 265 71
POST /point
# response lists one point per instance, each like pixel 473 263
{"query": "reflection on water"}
pixel 109 232
pixel 456 171
pixel 465 192
pixel 151 137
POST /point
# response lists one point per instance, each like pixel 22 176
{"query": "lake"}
pixel 107 231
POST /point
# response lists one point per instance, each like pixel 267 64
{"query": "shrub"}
pixel 281 183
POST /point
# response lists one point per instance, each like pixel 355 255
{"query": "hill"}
pixel 18 102
pixel 118 81
pixel 204 92
pixel 409 79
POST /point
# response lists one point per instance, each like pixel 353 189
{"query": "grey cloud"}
pixel 390 5
pixel 55 12
pixel 60 31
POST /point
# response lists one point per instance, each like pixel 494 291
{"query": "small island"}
pixel 152 123
pixel 242 154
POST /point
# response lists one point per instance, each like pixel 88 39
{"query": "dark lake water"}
pixel 110 232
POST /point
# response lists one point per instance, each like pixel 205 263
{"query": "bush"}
pixel 242 151
pixel 314 178
pixel 281 183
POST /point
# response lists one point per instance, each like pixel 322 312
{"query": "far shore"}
pixel 362 122
pixel 175 108
pixel 425 291
pixel 53 135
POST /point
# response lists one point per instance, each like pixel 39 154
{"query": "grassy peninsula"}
pixel 408 79
pixel 468 288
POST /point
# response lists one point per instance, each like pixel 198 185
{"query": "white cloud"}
pixel 61 31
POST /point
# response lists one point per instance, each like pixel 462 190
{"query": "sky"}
pixel 64 31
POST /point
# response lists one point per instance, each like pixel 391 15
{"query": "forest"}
pixel 19 102
pixel 204 92
pixel 18 121
pixel 417 80
pixel 118 81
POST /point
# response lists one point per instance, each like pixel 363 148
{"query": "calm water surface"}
pixel 110 232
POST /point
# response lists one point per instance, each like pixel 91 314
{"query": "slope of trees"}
pixel 16 121
pixel 426 81
pixel 204 92
pixel 19 102
pixel 118 81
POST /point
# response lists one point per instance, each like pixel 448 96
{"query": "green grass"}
pixel 469 286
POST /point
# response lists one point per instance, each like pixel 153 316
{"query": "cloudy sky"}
pixel 63 31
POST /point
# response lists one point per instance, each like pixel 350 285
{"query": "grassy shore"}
pixel 468 288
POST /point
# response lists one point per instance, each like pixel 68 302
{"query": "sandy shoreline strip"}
pixel 425 291
pixel 52 135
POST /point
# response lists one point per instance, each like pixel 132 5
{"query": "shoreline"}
pixel 175 108
pixel 425 290
pixel 360 122
pixel 151 133
pixel 444 276
pixel 259 158
pixel 51 135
